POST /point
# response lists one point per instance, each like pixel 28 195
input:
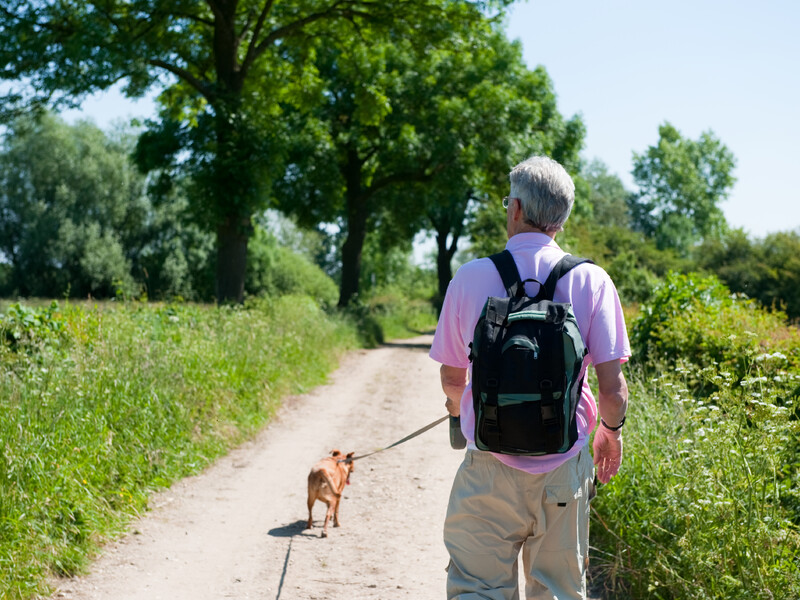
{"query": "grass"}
pixel 707 504
pixel 100 405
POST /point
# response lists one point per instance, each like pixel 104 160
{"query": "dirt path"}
pixel 237 530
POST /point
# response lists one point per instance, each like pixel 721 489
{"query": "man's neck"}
pixel 525 228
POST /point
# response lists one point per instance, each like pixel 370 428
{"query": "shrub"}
pixel 706 503
pixel 24 328
pixel 696 319
pixel 273 270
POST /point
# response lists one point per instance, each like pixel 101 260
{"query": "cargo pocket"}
pixel 561 495
pixel 562 505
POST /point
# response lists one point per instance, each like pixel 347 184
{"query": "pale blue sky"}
pixel 628 66
pixel 729 66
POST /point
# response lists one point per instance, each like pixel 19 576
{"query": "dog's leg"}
pixel 336 513
pixel 328 514
pixel 311 501
pixel 312 497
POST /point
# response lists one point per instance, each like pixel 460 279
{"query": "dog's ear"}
pixel 336 453
pixel 351 454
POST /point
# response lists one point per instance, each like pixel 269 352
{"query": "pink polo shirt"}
pixel 594 301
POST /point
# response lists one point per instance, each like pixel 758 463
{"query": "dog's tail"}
pixel 327 477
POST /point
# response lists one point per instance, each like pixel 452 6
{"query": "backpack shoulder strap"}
pixel 507 268
pixel 563 266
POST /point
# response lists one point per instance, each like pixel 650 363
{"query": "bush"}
pixel 26 329
pixel 707 504
pixel 696 319
pixel 273 270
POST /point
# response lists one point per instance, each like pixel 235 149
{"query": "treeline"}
pixel 78 218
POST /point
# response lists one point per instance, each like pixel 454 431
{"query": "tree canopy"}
pixel 225 66
pixel 69 203
pixel 407 133
pixel 77 218
pixel 682 183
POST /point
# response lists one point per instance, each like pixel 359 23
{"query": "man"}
pixel 501 504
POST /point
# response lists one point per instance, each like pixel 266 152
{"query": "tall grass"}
pixel 707 504
pixel 101 405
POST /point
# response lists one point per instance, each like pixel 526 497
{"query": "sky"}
pixel 730 67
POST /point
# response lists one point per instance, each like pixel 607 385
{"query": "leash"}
pixel 398 442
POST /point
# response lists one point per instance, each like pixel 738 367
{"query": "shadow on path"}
pixel 410 346
pixel 291 530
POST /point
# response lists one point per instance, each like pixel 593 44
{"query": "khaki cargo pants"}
pixel 496 511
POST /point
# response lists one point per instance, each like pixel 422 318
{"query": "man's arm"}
pixel 613 403
pixel 454 380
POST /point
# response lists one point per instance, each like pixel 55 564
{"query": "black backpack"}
pixel 526 358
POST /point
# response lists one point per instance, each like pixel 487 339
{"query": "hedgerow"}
pixel 707 504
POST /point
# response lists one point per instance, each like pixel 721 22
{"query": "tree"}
pixel 70 205
pixel 410 132
pixel 681 184
pixel 767 270
pixel 77 218
pixel 514 115
pixel 226 65
pixel 608 197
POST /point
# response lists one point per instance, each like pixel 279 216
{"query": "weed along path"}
pixel 238 529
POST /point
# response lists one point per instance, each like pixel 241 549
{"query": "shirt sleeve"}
pixel 449 347
pixel 608 335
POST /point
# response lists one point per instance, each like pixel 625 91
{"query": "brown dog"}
pixel 326 482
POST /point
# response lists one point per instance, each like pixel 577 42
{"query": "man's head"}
pixel 543 193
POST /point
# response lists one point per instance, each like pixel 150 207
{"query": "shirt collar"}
pixel 531 240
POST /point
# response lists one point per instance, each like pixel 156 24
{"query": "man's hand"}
pixel 454 380
pixel 607 453
pixel 453 407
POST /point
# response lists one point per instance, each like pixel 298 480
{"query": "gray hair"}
pixel 546 192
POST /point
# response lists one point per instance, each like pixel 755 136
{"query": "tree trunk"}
pixel 232 184
pixel 444 259
pixel 356 228
pixel 351 256
pixel 232 236
pixel 443 269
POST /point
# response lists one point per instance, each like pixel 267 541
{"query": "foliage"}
pixel 71 204
pixel 26 329
pixel 78 219
pixel 138 397
pixel 409 129
pixel 767 269
pixel 707 503
pixel 226 67
pixel 696 320
pixel 274 270
pixel 681 183
pixel 389 314
pixel 607 196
